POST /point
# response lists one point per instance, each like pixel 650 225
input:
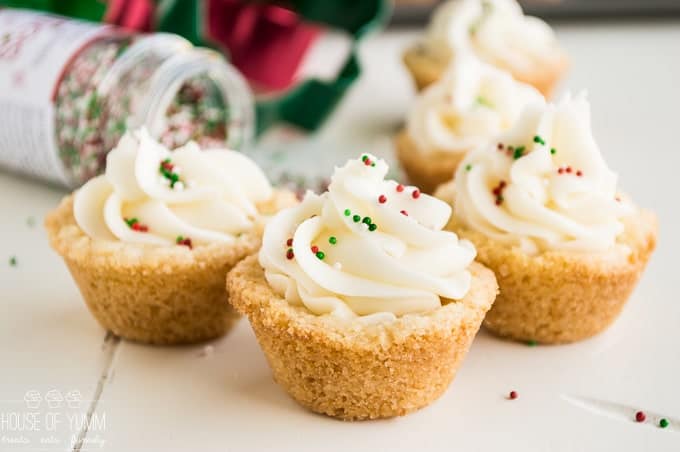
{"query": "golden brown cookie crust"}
pixel 350 370
pixel 559 297
pixel 426 68
pixel 425 170
pixel 157 295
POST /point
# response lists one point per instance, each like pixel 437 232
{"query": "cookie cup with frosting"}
pixel 567 248
pixel 363 311
pixel 467 108
pixel 150 259
pixel 497 32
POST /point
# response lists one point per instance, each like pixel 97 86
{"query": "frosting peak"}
pixel 152 195
pixel 496 30
pixel 367 247
pixel 469 105
pixel 544 184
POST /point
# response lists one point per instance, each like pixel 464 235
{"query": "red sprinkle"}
pixel 290 254
pixel 500 146
pixel 167 165
pixel 289 242
pixel 187 242
pixel 405 213
pixel 315 249
pixel 579 173
pixel 568 169
pixel 560 171
pixel 503 184
pixel 382 199
pixel 400 188
pixel 367 162
pixel 513 395
pixel 415 194
pixel 640 416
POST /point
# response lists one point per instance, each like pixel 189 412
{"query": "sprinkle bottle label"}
pixel 34 51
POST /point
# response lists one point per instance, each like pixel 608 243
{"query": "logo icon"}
pixel 33 399
pixel 54 398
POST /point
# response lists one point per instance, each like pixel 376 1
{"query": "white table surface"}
pixel 578 397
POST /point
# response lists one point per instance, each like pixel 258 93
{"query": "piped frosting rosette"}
pixel 544 184
pixel 470 104
pixel 496 30
pixel 367 247
pixel 151 195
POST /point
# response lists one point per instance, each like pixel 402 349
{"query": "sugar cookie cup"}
pixel 467 108
pixel 150 242
pixel 560 297
pixel 544 212
pixel 362 304
pixel 353 371
pixel 427 67
pixel 497 32
pixel 426 172
pixel 150 294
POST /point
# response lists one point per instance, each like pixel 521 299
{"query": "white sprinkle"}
pixel 337 266
pixel 164 181
pixel 208 350
pixel 364 226
pixel 179 186
pixel 177 170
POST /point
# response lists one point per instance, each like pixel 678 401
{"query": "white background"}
pixel 180 398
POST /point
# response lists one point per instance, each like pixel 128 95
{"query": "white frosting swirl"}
pixel 551 191
pixel 212 200
pixel 497 31
pixel 472 103
pixel 405 263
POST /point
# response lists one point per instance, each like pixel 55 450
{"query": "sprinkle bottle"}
pixel 69 90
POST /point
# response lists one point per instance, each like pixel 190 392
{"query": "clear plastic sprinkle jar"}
pixel 70 89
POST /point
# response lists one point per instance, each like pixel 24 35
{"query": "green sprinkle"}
pixel 131 221
pixel 663 423
pixel 367 220
pixel 519 152
pixel 483 101
pixel 364 158
pixel 356 218
pixel 30 222
pixel 332 240
pixel 179 239
pixel 347 212
pixel 320 255
pixel 538 139
pixel 167 160
pixel 468 167
pixel 553 151
pixel 532 343
pixel 372 227
pixel 13 261
pixel 373 164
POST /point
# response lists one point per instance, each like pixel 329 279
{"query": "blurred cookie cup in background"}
pixel 497 32
pixel 467 108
